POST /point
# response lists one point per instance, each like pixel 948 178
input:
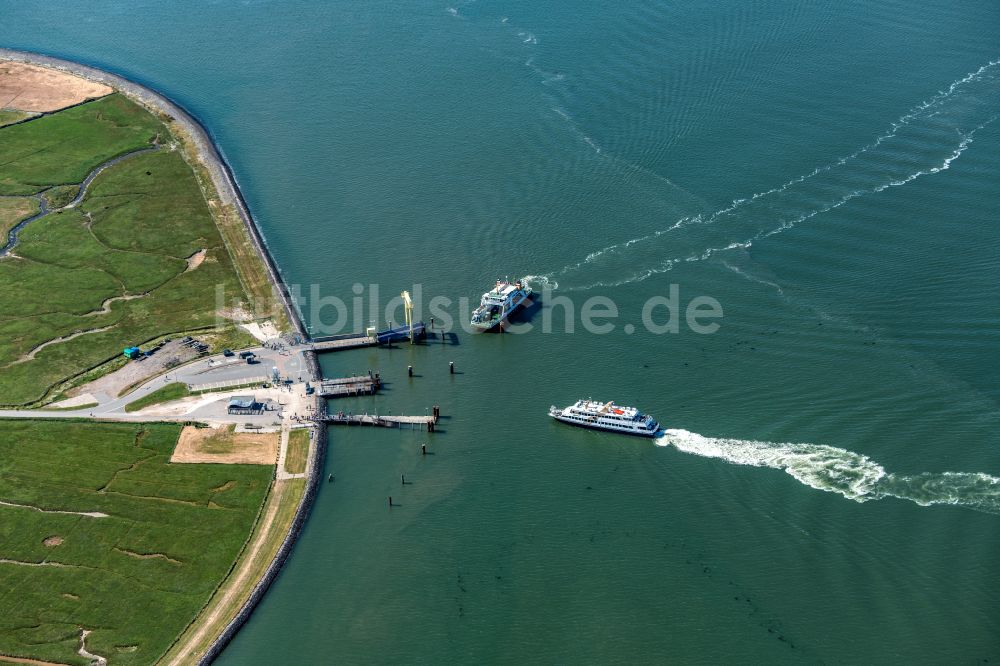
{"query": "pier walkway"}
pixel 352 342
pixel 356 340
pixel 346 418
pixel 347 386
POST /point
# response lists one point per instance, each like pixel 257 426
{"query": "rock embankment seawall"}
pixel 228 190
pixel 313 470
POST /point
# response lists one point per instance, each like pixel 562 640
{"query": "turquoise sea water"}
pixel 829 173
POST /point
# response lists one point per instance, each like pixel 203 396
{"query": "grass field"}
pixel 166 393
pixel 277 516
pixel 249 264
pixel 231 338
pixel 12 211
pixel 298 451
pixel 7 116
pixel 220 442
pixel 58 196
pixel 163 538
pixel 63 147
pixel 131 235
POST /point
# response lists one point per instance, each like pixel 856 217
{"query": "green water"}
pixel 830 491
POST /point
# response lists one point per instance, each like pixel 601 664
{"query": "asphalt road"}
pixel 289 364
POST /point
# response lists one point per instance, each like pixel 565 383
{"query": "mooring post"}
pixel 409 370
pixel 423 449
pixel 402 479
pixel 451 367
pixel 390 501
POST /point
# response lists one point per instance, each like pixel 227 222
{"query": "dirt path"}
pixel 89 514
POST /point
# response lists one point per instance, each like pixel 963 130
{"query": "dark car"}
pixel 228 352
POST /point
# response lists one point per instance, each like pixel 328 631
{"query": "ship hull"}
pixel 497 325
pixel 635 433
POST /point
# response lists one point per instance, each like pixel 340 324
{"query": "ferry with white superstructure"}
pixel 606 416
pixel 498 303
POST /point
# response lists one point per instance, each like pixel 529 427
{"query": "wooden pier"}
pixel 348 386
pixel 383 421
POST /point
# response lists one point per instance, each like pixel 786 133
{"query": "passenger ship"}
pixel 498 303
pixel 606 416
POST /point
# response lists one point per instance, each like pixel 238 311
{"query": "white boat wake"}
pixel 852 475
pixel 926 140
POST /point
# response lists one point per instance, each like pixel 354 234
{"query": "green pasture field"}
pixel 298 451
pixel 63 147
pixel 139 221
pixel 174 391
pixel 137 575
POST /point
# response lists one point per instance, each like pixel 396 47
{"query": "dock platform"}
pixel 348 386
pixel 332 343
pixel 383 421
pixel 352 342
